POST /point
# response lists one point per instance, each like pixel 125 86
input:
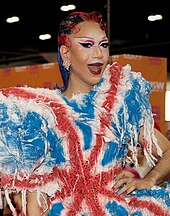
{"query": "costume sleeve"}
pixel 138 113
pixel 137 100
pixel 28 144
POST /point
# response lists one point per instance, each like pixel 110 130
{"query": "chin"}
pixel 95 80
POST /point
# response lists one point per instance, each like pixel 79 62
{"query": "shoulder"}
pixel 133 94
pixel 131 87
pixel 27 129
pixel 18 103
pixel 138 89
pixel 136 79
pixel 129 79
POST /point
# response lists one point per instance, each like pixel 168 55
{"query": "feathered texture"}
pixel 72 149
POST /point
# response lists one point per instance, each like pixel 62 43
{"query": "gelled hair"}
pixel 69 26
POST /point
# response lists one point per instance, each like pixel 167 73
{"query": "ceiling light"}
pixel 64 8
pixel 158 17
pixel 71 7
pixel 155 17
pixel 12 19
pixel 44 36
pixel 68 7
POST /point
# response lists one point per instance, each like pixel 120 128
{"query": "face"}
pixel 88 54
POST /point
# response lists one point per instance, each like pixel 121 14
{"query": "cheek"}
pixel 80 56
pixel 106 55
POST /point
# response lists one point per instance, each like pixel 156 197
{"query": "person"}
pixel 66 150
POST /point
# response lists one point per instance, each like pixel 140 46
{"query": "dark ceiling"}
pixel 130 31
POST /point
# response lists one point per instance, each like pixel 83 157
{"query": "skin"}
pixel 81 81
pixel 32 204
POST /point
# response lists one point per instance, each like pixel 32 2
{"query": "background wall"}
pixel 168 83
pixel 41 75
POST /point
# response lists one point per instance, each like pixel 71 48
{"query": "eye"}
pixel 86 44
pixel 104 44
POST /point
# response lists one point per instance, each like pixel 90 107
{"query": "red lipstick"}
pixel 95 68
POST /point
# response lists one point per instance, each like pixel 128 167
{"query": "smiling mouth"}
pixel 95 68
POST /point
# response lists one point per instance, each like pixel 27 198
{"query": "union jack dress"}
pixel 73 149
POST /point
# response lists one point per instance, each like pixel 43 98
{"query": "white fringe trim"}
pixel 13 210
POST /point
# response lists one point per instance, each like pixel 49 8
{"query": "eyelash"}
pixel 88 44
pixel 104 45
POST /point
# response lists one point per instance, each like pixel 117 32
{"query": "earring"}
pixel 66 64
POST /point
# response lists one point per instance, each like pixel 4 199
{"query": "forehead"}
pixel 88 29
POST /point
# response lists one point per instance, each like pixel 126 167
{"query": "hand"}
pixel 128 183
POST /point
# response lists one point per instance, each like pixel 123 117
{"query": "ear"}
pixel 64 52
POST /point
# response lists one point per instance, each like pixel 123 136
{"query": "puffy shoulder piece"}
pixel 27 140
pixel 135 91
pixel 27 137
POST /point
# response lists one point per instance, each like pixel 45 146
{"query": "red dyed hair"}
pixel 68 25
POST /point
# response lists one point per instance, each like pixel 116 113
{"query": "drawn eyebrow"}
pixel 86 40
pixel 87 37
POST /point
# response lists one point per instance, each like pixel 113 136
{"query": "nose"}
pixel 97 52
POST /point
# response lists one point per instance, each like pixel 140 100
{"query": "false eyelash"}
pixel 86 44
pixel 104 44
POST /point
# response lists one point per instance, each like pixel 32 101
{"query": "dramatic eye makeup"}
pixel 89 43
pixel 86 44
pixel 104 43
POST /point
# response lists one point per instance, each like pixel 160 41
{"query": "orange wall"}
pixel 42 75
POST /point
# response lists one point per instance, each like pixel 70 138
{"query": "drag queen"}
pixel 65 150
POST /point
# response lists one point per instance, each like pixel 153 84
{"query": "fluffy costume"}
pixel 72 149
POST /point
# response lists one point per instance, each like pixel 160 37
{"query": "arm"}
pixel 32 204
pixel 158 174
pixel 161 171
pixel 33 207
